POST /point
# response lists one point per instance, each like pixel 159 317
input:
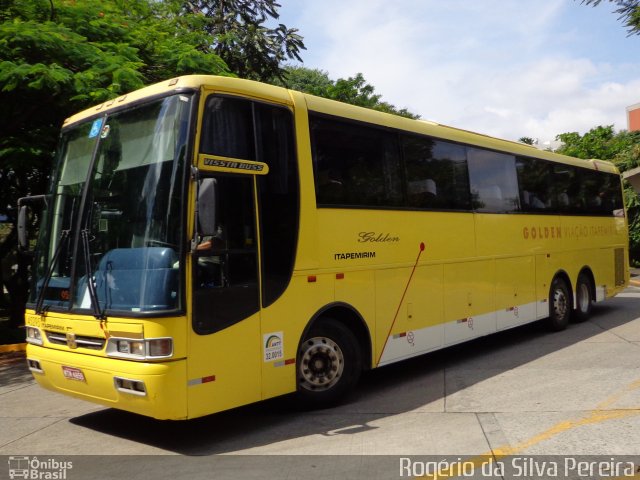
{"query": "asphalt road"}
pixel 517 393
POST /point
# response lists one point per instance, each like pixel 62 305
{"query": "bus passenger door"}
pixel 224 349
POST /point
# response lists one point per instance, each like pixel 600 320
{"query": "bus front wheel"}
pixel 329 363
pixel 559 305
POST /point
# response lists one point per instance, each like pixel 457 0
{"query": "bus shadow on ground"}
pixel 402 387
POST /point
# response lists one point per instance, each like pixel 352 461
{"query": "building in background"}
pixel 633 117
pixel 633 124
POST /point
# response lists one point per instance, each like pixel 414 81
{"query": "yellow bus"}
pixel 210 242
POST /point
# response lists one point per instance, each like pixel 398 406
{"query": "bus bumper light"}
pixel 126 385
pixel 34 365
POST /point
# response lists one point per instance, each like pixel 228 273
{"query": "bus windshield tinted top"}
pixel 111 234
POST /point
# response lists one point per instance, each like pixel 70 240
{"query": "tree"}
pixel 628 11
pixel 354 90
pixel 241 37
pixel 528 140
pixel 623 149
pixel 61 57
pixel 600 142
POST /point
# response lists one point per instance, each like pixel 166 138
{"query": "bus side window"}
pixel 355 165
pixel 436 173
pixel 533 179
pixel 494 184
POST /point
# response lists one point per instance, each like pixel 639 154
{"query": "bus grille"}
pixel 92 343
pixel 618 254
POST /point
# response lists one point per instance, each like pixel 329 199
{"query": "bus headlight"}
pixel 34 336
pixel 140 349
pixel 130 347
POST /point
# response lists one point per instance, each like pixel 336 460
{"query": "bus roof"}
pixel 331 107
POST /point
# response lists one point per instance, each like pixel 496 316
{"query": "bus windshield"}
pixel 111 239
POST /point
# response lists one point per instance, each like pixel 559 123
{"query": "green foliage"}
pixel 527 140
pixel 621 148
pixel 600 142
pixel 241 37
pixel 62 56
pixel 628 11
pixel 353 90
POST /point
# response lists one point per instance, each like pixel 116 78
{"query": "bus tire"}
pixel 329 364
pixel 584 298
pixel 559 305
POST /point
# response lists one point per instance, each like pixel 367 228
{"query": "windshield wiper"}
pixel 93 295
pixel 64 236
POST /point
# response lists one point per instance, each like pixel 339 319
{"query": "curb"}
pixel 16 347
pixel 635 283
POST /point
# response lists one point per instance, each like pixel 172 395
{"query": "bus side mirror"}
pixel 23 217
pixel 22 228
pixel 207 207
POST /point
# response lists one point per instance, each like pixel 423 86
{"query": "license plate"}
pixel 73 374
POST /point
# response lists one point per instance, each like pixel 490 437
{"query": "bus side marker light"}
pixel 199 381
pixel 282 363
pixel 339 276
pixel 312 279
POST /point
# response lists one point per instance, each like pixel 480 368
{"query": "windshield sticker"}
pixel 105 131
pixel 95 128
pixel 273 345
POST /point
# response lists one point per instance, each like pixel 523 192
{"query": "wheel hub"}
pixel 560 303
pixel 321 363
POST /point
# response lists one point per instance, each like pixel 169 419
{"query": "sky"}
pixel 506 68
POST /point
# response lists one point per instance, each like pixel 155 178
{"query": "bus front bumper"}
pixel 156 390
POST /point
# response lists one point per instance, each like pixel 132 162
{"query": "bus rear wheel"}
pixel 584 298
pixel 559 305
pixel 329 364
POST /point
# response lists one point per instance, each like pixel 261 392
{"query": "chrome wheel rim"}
pixel 560 304
pixel 321 364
